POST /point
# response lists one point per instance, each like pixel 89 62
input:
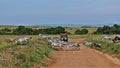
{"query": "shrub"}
pixel 77 32
pixel 83 31
pixel 115 29
pixel 22 30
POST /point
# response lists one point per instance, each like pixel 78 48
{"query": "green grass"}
pixel 3 37
pixel 25 56
pixel 38 49
pixel 107 46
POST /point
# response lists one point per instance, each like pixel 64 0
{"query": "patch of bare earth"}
pixel 84 58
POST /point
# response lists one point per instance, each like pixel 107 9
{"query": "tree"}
pixel 21 27
pixel 115 29
pixel 77 32
pixel 84 31
pixel 6 30
pixel 59 29
pixel 116 26
pixel 99 30
pixel 21 30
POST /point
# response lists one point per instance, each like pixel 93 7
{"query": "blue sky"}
pixel 32 12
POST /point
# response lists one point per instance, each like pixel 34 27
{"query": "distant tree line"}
pixel 115 29
pixel 22 30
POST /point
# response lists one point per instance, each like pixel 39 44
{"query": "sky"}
pixel 35 12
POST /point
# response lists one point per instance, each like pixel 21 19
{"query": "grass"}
pixel 35 52
pixel 25 56
pixel 12 37
pixel 107 46
pixel 19 56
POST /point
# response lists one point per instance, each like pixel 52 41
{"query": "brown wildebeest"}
pixel 116 39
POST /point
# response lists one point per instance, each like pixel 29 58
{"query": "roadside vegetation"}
pixel 115 29
pixel 108 46
pixel 36 53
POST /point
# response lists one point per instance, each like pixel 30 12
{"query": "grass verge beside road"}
pixel 35 54
pixel 107 46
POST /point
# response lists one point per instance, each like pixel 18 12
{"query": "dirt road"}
pixel 85 57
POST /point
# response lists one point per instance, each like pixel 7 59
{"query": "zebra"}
pixel 116 39
pixel 73 45
pixel 56 44
pixel 87 43
pixel 106 38
pixel 21 40
pixel 44 36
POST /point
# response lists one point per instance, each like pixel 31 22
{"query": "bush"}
pixel 83 31
pixel 77 32
pixel 115 29
pixel 6 31
pixel 22 30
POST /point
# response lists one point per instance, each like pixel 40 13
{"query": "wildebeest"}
pixel 92 44
pixel 116 39
pixel 106 38
pixel 22 40
pixel 96 45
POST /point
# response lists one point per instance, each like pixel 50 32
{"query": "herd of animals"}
pixel 60 42
pixel 116 39
pixel 53 42
pixel 56 42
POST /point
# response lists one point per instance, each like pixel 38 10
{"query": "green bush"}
pixel 83 31
pixel 77 32
pixel 115 29
pixel 22 30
